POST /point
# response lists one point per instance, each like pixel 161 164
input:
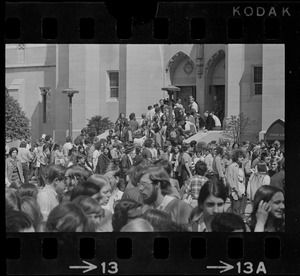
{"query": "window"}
pixel 114 84
pixel 257 80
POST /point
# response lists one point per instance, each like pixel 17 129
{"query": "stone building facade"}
pixel 115 78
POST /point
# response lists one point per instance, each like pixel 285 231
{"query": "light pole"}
pixel 70 92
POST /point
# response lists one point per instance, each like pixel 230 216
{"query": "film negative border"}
pixel 167 253
pixel 268 22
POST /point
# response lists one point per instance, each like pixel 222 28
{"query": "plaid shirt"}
pixel 194 185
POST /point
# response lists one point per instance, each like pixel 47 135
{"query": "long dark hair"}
pixel 265 193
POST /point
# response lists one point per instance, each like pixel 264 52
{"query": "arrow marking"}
pixel 88 268
pixel 225 268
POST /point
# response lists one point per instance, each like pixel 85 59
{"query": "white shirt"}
pixel 47 200
pixel 217 121
pixel 116 195
pixel 195 106
pixel 167 199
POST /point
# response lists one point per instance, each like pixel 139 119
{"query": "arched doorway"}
pixel 182 72
pixel 215 81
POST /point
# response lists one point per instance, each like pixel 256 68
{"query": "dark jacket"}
pixel 210 123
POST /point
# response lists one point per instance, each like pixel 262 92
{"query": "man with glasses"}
pixel 155 188
pixel 48 197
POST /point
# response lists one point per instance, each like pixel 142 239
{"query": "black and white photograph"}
pixel 147 137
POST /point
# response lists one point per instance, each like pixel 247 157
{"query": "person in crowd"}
pixel 137 225
pixel 195 184
pixel 174 182
pixel 103 160
pixel 155 187
pixel 44 159
pixel 146 153
pixel 211 201
pixel 18 221
pixel 133 125
pixel 127 160
pixel 138 156
pixel 257 180
pixel 153 151
pixel 75 175
pixel 81 150
pixel 83 135
pixel 85 189
pixel 115 154
pixel 25 157
pixel 12 199
pixel 67 217
pixel 73 153
pixel 193 105
pixel 30 206
pixel 66 147
pixel 157 218
pixel 209 121
pixel 104 193
pixel 264 157
pixel 112 172
pixel 91 150
pixel 132 191
pixel 274 166
pixel 110 136
pixel 13 166
pixel 125 210
pixel 235 145
pixel 268 211
pixel 278 179
pixel 236 182
pixel 210 150
pixel 48 196
pixel 96 154
pixel 34 162
pixel 120 124
pixel 228 222
pixel 185 164
pixel 179 114
pixel 28 190
pixel 218 165
pixel 81 160
pixel 97 219
pixel 57 156
pixel 217 121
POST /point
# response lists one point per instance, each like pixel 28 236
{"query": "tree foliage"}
pixel 97 125
pixel 236 127
pixel 16 122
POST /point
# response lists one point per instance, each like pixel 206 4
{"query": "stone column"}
pixel 233 74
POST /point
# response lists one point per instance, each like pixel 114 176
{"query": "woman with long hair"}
pixel 103 160
pixel 211 201
pixel 93 210
pixel 13 166
pixel 66 217
pixel 268 210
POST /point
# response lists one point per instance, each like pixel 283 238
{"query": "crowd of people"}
pixel 143 177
